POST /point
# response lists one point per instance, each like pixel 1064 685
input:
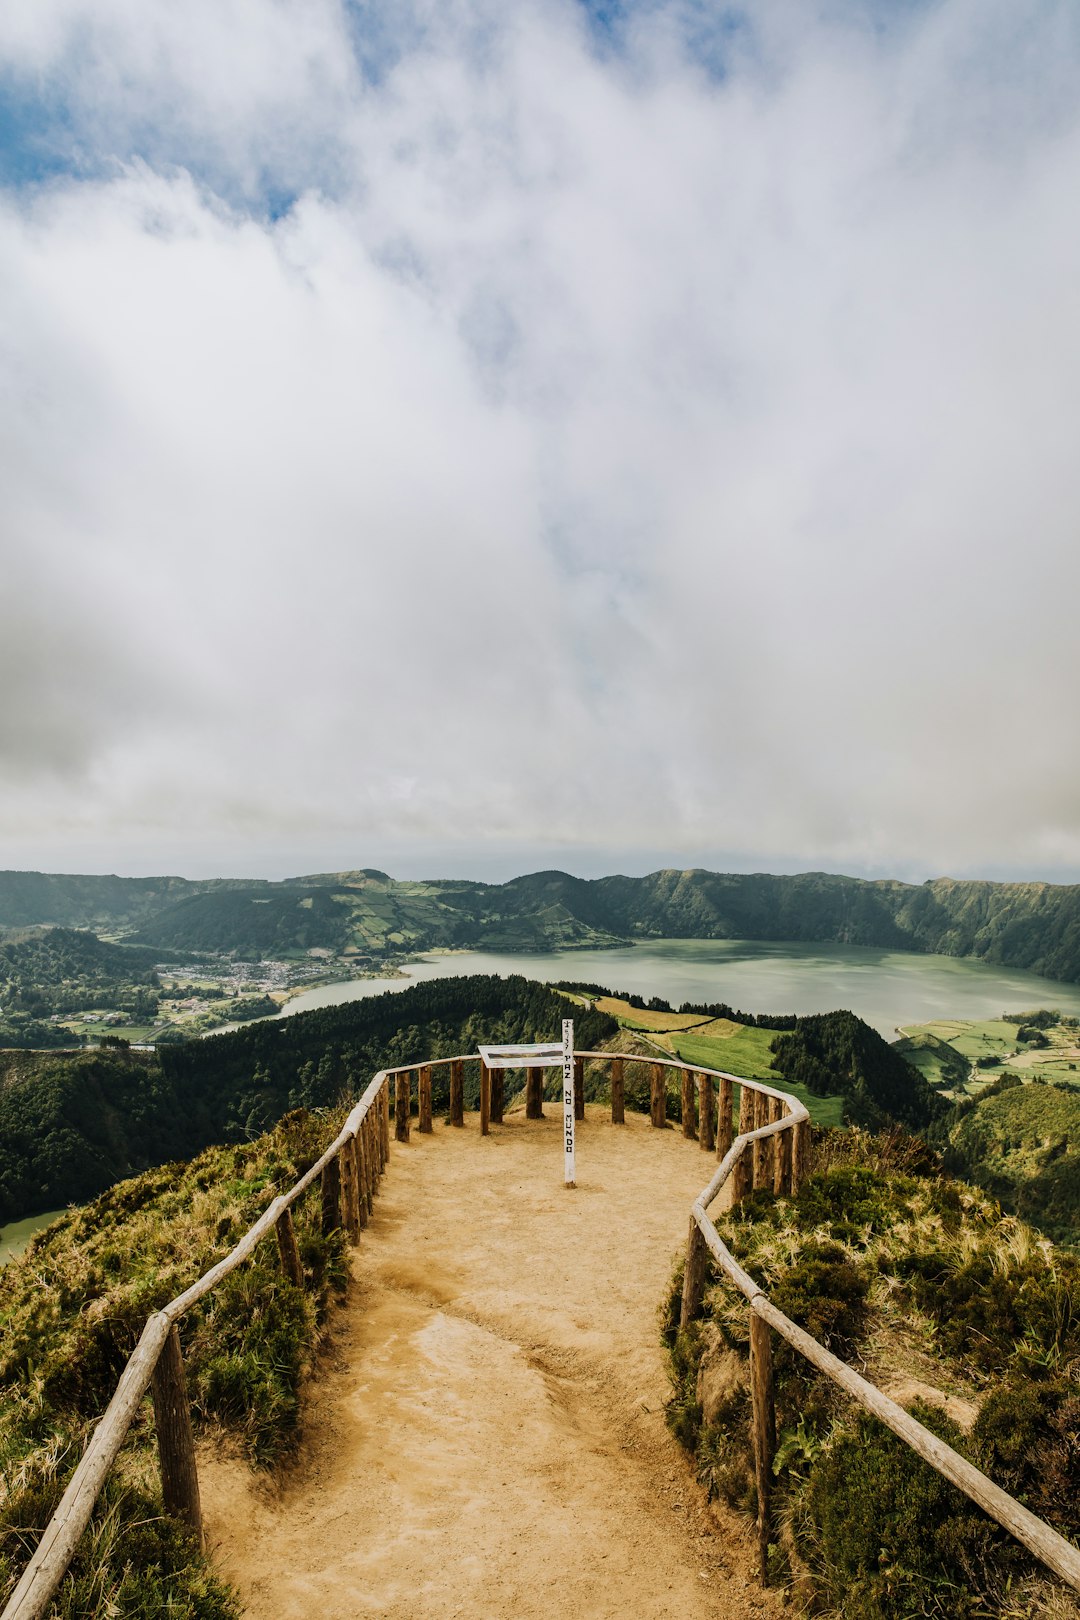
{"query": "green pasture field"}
pixel 991 1037
pixel 749 1051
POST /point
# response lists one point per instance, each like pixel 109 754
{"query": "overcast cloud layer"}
pixel 461 435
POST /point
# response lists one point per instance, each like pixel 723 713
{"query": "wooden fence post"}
pixel 364 1169
pixel 331 1196
pixel 782 1169
pixel 579 1088
pixel 534 1094
pixel 384 1120
pixel 742 1181
pixel 485 1098
pixel 618 1092
pixel 657 1097
pixel 707 1132
pixel 402 1105
pixel 288 1249
pixel 800 1167
pixel 689 1112
pixel 176 1447
pixel 457 1092
pixel 498 1095
pixel 425 1099
pixel 693 1288
pixel 371 1156
pixel 764 1419
pixel 762 1156
pixel 350 1196
pixel 724 1121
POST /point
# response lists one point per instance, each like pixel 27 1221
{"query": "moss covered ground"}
pixel 974 1321
pixel 71 1310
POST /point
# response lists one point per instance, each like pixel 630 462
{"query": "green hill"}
pixel 1022 1143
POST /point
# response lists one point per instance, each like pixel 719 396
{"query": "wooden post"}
pixel 781 1156
pixel 402 1104
pixel 176 1447
pixel 350 1197
pixel 724 1121
pixel 762 1157
pixel 657 1097
pixel 288 1249
pixel 800 1167
pixel 689 1112
pixel 374 1138
pixel 707 1132
pixel 364 1161
pixel 425 1099
pixel 331 1196
pixel 534 1093
pixel 579 1088
pixel 384 1121
pixel 457 1092
pixel 485 1098
pixel 693 1288
pixel 498 1095
pixel 764 1420
pixel 618 1092
pixel 742 1181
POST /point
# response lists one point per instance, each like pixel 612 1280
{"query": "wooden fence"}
pixel 771 1150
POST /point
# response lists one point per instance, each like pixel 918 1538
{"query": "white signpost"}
pixel 568 1101
pixel 545 1057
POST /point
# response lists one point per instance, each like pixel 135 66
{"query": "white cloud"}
pixel 598 453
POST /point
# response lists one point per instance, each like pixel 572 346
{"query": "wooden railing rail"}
pixel 771 1149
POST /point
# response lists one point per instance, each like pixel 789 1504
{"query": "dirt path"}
pixel 490 1439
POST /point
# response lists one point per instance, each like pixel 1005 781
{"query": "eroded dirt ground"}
pixel 486 1437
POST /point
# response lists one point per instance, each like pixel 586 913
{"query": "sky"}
pixel 470 437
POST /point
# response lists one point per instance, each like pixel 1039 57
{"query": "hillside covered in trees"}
pixel 1027 925
pixel 72 1124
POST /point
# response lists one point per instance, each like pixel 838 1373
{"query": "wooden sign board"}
pixel 543 1056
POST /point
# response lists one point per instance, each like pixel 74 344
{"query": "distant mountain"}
pixel 1028 925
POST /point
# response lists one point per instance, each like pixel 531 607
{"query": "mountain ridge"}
pixel 1033 925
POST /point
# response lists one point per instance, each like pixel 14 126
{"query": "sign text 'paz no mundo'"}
pixel 549 1056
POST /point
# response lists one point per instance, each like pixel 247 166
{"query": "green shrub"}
pixel 888 1538
pixel 825 1293
pixel 1028 1440
pixel 992 1310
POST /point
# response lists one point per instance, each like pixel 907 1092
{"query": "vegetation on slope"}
pixel 60 970
pixel 72 1124
pixel 1022 1143
pixel 907 1273
pixel 71 1311
pixel 837 1052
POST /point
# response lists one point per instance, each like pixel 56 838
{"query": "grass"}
pixel 646 1018
pixel 973 1039
pixel 747 1051
pixel 71 1310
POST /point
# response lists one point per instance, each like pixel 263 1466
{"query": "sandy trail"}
pixel 488 1439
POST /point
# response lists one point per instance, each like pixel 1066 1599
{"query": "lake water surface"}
pixel 16 1234
pixel 886 988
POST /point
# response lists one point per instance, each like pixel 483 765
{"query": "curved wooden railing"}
pixel 771 1149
